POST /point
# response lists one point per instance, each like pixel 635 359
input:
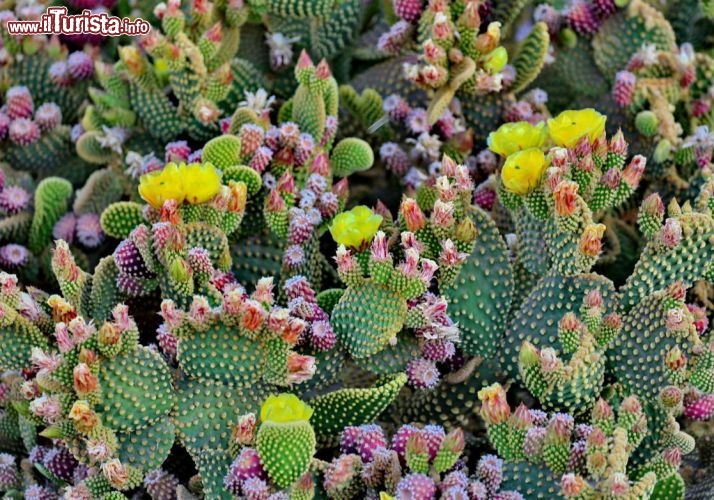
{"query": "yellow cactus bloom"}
pixel 284 408
pixel 523 170
pixel 570 126
pixel 517 136
pixel 493 391
pixel 195 183
pixel 356 227
pixel 201 182
pixel 157 187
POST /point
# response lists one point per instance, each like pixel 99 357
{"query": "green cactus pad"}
pixel 481 295
pixel 90 149
pixel 241 173
pixel 624 33
pixel 156 112
pixel 573 75
pixel 330 368
pixel 484 114
pixel 102 188
pixel 212 239
pixel 148 447
pixel 366 318
pixel 688 261
pixel 393 358
pixel 366 108
pixel 32 72
pixel 120 218
pixel 351 155
pixel 448 404
pixel 104 295
pixel 507 12
pixel 309 111
pixel 336 410
pixel 256 257
pixel 15 227
pixel 537 319
pixel 46 154
pixel 638 353
pixel 51 200
pixel 137 390
pixel 221 354
pixel 222 152
pixel 323 36
pixel 300 8
pixel 328 299
pixel 212 466
pixel 285 450
pixel 530 57
pixel 206 412
pixel 532 481
pixel 18 339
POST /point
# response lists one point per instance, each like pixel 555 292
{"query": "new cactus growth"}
pixel 587 460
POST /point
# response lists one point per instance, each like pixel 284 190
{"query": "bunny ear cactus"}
pixel 256 346
pixel 46 67
pixel 582 176
pixel 296 160
pixel 554 455
pixel 193 56
pixel 455 55
pixel 418 460
pixel 678 248
pixel 192 213
pixel 661 346
pixel 32 135
pixel 324 29
pixel 571 380
pixel 96 389
pixel 369 271
pixel 285 439
pixel 460 54
pixel 651 88
pixel 642 24
pixel 110 112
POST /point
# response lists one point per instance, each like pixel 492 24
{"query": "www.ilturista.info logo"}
pixel 56 21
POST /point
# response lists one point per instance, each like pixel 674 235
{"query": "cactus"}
pixel 553 455
pixel 199 73
pixel 34 137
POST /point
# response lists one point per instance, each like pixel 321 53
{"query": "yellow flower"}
pixel 517 136
pixel 157 187
pixel 355 228
pixel 385 496
pixel 201 182
pixel 491 392
pixel 195 183
pixel 284 408
pixel 523 170
pixel 570 126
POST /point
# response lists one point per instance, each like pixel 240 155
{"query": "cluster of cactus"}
pixel 460 53
pixel 551 454
pixel 384 297
pixel 32 135
pixel 418 462
pixel 666 92
pixel 192 55
pixel 456 55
